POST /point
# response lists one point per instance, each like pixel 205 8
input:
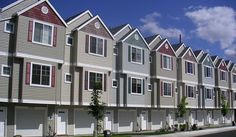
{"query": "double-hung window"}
pixel 95 78
pixel 208 93
pixel 234 78
pixel 9 27
pixel 167 62
pixel 208 72
pixel 41 75
pixel 189 67
pixel 96 46
pixel 136 86
pixel 167 89
pixel 136 55
pixel 190 91
pixel 43 33
pixel 223 75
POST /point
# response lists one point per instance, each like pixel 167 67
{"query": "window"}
pixel 136 55
pixel 42 33
pixel 95 78
pixel 167 62
pixel 209 93
pixel 68 78
pixel 69 40
pixel 96 46
pixel 234 78
pixel 190 91
pixel 115 51
pixel 136 86
pixel 9 27
pixel 41 75
pixel 6 71
pixel 222 75
pixel 234 96
pixel 149 87
pixel 189 67
pixel 167 89
pixel 150 59
pixel 208 72
pixel 114 83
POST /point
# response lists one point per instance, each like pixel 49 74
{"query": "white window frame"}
pixel 68 82
pixel 67 37
pixel 234 75
pixel 5 27
pixel 2 73
pixel 44 23
pixel 211 91
pixel 163 88
pixel 132 84
pixel 103 45
pixel 188 91
pixel 114 80
pixel 115 54
pixel 211 72
pixel 225 72
pixel 96 72
pixel 149 85
pixel 193 65
pixel 31 72
pixel 132 46
pixel 163 66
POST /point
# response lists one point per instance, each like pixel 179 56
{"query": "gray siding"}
pixel 23 46
pixel 4 81
pixel 154 43
pixel 122 33
pixel 189 77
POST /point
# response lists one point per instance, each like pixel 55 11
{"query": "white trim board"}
pixel 11 5
pixel 158 36
pixel 24 55
pixel 127 25
pixel 39 2
pixel 166 40
pixel 135 73
pixel 93 66
pixel 80 15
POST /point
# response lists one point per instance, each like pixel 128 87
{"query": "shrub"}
pixel 194 127
pixel 182 127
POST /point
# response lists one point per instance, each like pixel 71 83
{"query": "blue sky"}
pixel 204 24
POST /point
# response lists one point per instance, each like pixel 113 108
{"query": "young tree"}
pixel 96 107
pixel 224 107
pixel 181 110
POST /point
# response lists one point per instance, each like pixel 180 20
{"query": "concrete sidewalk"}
pixel 193 133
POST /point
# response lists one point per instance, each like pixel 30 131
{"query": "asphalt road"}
pixel 222 134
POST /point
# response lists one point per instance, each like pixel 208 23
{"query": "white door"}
pixel 84 123
pixel 158 119
pixel 193 117
pixel 108 120
pixel 144 117
pixel 62 120
pixel 30 122
pixel 126 121
pixel 3 118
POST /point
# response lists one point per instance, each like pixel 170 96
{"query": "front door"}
pixel 144 120
pixel 108 121
pixel 3 118
pixel 62 118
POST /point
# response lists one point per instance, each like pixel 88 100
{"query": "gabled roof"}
pixel 11 5
pixel 214 59
pixel 197 52
pixel 204 57
pixel 76 16
pixel 132 32
pixel 95 17
pixel 185 51
pixel 232 66
pixel 152 38
pixel 176 47
pixel 219 62
pixel 116 30
pixel 157 47
pixel 39 2
pixel 228 63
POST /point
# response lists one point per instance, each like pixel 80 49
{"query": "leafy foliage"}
pixel 181 108
pixel 224 106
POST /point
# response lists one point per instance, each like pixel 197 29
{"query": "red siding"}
pixel 189 57
pixel 36 13
pixel 165 50
pixel 223 66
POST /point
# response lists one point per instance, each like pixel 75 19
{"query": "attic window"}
pixel 189 53
pixel 136 36
pixel 207 59
pixel 44 10
pixel 97 25
pixel 166 46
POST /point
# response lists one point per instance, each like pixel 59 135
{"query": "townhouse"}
pixel 49 67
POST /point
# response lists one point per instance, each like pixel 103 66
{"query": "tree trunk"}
pixel 95 132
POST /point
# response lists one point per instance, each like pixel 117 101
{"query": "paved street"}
pixel 222 134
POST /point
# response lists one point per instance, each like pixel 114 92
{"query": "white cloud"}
pixel 216 25
pixel 151 25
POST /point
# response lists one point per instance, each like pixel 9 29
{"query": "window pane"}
pixel 68 78
pixel 99 46
pixel 138 55
pixel 93 45
pixel 6 70
pixel 38 32
pixel 91 80
pixel 9 27
pixel 47 35
pixel 139 86
pixel 36 72
pixel 134 86
pixel 133 54
pixel 45 75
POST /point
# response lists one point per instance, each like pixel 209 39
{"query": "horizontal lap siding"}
pixel 4 81
pixel 23 46
pixel 66 87
pixel 6 39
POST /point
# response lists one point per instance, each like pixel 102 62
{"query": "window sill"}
pixel 8 32
pixel 139 94
pixel 138 63
pixel 42 44
pixel 167 96
pixel 190 74
pixel 68 82
pixel 98 55
pixel 192 98
pixel 42 86
pixel 5 76
pixel 167 69
pixel 114 87
pixel 207 99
